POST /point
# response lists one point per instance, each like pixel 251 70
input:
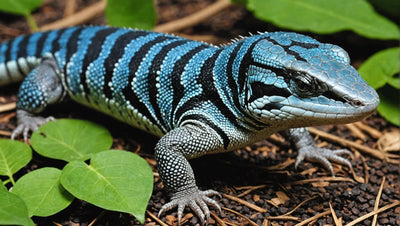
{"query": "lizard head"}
pixel 292 77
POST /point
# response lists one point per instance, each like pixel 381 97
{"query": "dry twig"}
pixel 156 218
pixel 378 197
pixel 7 107
pixel 313 218
pixel 371 131
pixel 241 215
pixel 241 201
pixel 194 18
pixel 78 18
pixel 355 131
pixel 350 144
pixel 337 221
pixel 368 215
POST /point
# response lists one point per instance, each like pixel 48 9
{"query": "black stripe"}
pixel 177 87
pixel 22 47
pixel 72 47
pixel 22 52
pixel 278 71
pixel 305 44
pixel 210 91
pixel 231 80
pixel 244 65
pixel 217 129
pixel 251 122
pixel 55 46
pixel 287 49
pixel 134 64
pixel 92 53
pixel 40 44
pixel 156 66
pixel 260 89
pixel 117 51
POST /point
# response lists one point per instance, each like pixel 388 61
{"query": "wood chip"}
pixel 241 215
pixel 241 201
pixel 389 141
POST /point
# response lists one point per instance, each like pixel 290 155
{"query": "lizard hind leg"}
pixel 40 88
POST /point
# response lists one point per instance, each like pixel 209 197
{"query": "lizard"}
pixel 198 98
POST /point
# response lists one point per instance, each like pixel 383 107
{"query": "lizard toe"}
pixel 323 156
pixel 29 124
pixel 196 200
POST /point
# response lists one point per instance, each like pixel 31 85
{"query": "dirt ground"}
pixel 259 184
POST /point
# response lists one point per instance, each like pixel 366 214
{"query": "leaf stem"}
pixel 32 24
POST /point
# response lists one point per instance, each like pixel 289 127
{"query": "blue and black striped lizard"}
pixel 198 98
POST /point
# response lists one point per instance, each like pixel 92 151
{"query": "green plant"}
pixel 23 8
pixel 111 175
pixel 133 13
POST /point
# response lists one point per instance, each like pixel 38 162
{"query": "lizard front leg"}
pixel 172 152
pixel 307 148
pixel 40 88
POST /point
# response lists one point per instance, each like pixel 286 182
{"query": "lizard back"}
pixel 139 77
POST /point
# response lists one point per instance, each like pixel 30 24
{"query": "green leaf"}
pixel 325 16
pixel 114 180
pixel 42 192
pixel 389 106
pixel 13 156
pixel 13 210
pixel 390 7
pixel 133 13
pixel 19 7
pixel 70 139
pixel 381 68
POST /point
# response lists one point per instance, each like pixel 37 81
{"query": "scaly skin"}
pixel 198 98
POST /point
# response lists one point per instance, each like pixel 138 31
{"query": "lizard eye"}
pixel 303 85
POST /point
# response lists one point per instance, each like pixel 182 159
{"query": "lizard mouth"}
pixel 326 107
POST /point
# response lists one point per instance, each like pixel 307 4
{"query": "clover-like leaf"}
pixel 114 180
pixel 325 16
pixel 13 156
pixel 19 7
pixel 381 68
pixel 70 139
pixel 13 210
pixel 42 192
pixel 389 106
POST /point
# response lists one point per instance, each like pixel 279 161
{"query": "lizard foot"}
pixel 195 199
pixel 323 156
pixel 27 122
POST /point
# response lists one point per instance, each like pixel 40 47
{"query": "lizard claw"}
pixel 195 199
pixel 28 123
pixel 323 156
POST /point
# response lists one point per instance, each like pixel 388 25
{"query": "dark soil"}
pixel 241 171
